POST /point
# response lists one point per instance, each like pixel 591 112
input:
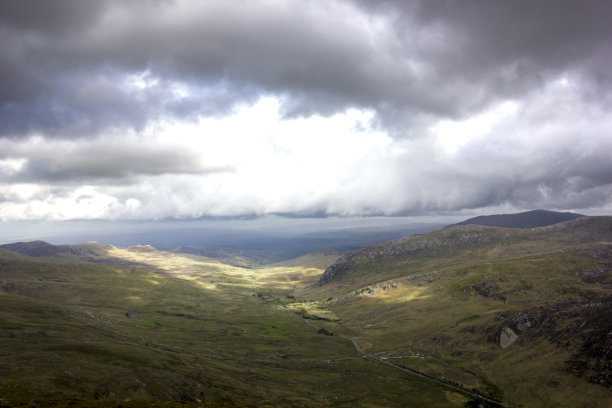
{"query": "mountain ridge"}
pixel 453 240
pixel 527 219
pixel 506 303
pixel 458 238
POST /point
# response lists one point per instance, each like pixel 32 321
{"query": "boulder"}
pixel 507 337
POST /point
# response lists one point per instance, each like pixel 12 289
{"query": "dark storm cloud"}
pixel 100 161
pixel 239 48
pixel 84 105
pixel 50 17
pixel 511 40
pixel 407 60
pixel 77 76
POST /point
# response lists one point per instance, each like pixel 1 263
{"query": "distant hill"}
pixel 528 219
pixel 39 249
pixel 85 252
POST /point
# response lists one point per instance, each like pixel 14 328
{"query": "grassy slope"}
pixel 437 303
pixel 448 295
pixel 195 332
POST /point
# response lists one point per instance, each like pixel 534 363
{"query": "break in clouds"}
pixel 164 109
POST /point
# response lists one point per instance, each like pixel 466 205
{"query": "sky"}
pixel 181 109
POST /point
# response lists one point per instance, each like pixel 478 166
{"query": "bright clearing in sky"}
pixel 182 109
pixel 454 134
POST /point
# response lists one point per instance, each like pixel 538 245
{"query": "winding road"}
pixel 397 367
pixel 413 372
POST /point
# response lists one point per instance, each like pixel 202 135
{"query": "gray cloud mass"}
pixel 83 84
pixel 433 58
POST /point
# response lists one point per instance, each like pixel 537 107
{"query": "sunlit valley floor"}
pixel 520 317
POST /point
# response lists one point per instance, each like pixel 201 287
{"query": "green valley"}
pixel 462 316
pixel 194 330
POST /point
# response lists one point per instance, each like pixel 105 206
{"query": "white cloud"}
pixel 9 167
pixel 545 150
pixel 37 202
pixel 269 164
pixel 183 108
pixel 454 134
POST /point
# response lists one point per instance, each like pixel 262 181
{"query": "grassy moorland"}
pixel 519 316
pixel 188 329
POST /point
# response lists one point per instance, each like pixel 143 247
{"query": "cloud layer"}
pixel 162 109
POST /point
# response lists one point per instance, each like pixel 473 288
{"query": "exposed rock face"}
pixel 489 289
pixel 588 335
pixel 456 240
pixel 377 288
pixel 507 337
pixel 521 322
pixel 442 243
pixel 336 270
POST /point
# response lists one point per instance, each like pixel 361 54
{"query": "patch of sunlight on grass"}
pixel 208 285
pixel 404 294
pixel 188 267
pixel 314 310
pixel 286 278
pixel 134 298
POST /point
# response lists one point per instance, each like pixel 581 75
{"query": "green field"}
pixel 142 326
pixel 441 309
pixel 192 331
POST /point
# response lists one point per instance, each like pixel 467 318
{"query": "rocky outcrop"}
pixel 456 240
pixel 507 337
pixel 337 270
pixel 584 326
pixel 443 243
pixel 377 288
pixel 489 289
